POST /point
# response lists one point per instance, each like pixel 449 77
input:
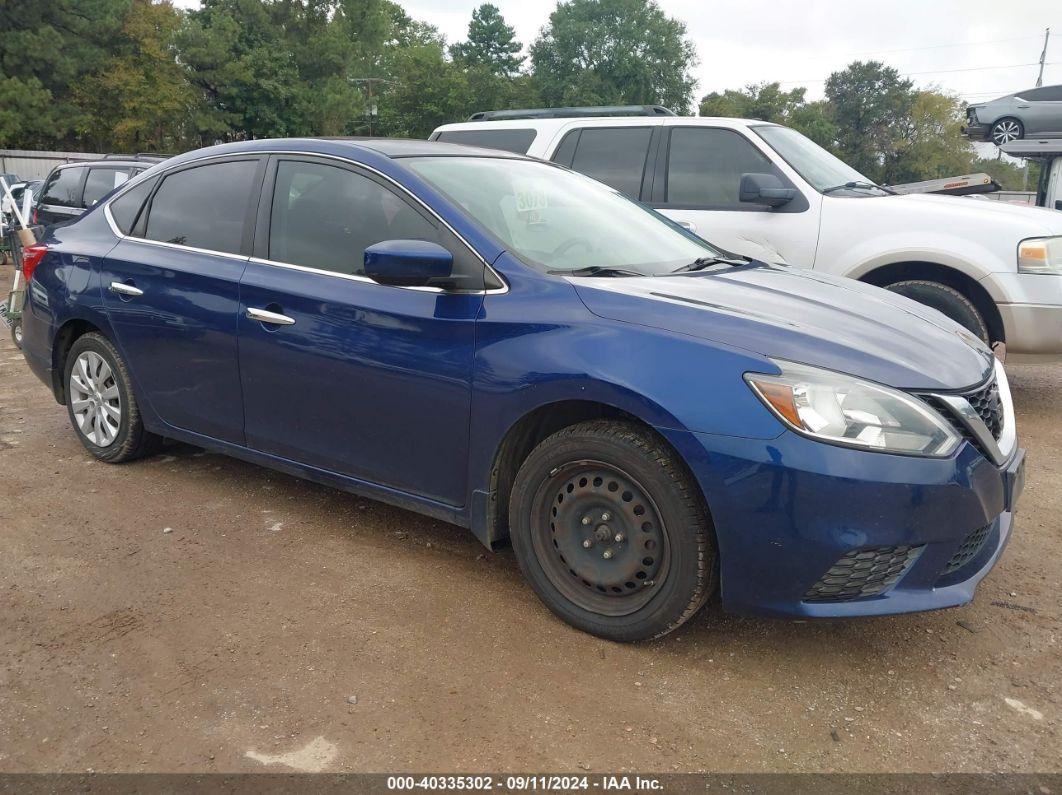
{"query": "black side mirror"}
pixel 408 263
pixel 765 189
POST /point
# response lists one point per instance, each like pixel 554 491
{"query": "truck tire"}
pixel 946 300
pixel 99 399
pixel 610 530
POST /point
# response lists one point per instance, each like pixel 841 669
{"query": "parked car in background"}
pixel 1033 112
pixel 509 345
pixel 766 191
pixel 72 187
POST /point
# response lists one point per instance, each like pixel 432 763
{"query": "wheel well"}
pixel 525 434
pixel 65 338
pixel 957 280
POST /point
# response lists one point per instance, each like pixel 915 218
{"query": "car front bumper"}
pixel 790 510
pixel 972 130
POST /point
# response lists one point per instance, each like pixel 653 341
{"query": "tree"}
pixel 763 101
pixel 603 52
pixel 869 103
pixel 140 99
pixel 491 43
pixel 930 141
pixel 46 50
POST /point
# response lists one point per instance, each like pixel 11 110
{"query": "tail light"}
pixel 31 258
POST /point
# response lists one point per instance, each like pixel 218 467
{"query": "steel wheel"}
pixel 599 538
pixel 95 400
pixel 16 333
pixel 1005 131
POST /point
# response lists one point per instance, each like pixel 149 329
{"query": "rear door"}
pixel 697 180
pixel 619 156
pixel 171 289
pixel 367 380
pixel 60 202
pixel 101 180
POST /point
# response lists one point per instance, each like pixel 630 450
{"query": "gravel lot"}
pixel 194 613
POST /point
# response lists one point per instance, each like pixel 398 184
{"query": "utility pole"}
pixel 1043 58
pixel 370 111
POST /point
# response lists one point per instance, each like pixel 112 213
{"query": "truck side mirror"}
pixel 764 189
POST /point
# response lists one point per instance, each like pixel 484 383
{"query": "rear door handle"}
pixel 126 289
pixel 273 318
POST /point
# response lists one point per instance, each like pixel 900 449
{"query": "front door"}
pixel 698 186
pixel 171 290
pixel 347 375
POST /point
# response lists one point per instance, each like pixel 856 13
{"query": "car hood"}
pixel 800 316
pixel 966 212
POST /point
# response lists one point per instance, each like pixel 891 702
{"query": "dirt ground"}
pixel 194 613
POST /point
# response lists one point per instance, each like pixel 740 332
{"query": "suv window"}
pixel 326 216
pixel 705 165
pixel 203 206
pixel 613 155
pixel 63 187
pixel 126 208
pixel 102 181
pixel 518 141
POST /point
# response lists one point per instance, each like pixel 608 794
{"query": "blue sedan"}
pixel 512 347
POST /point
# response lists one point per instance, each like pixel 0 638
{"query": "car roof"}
pixel 555 124
pixel 111 162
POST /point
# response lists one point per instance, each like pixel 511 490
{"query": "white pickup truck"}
pixel 766 191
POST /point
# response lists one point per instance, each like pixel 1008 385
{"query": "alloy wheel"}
pixel 1005 132
pixel 599 538
pixel 95 399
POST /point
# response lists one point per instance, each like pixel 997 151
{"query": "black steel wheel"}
pixel 599 537
pixel 611 531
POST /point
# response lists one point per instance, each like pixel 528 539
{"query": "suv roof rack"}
pixel 149 156
pixel 565 113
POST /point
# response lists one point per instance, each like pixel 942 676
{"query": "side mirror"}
pixel 765 189
pixel 407 263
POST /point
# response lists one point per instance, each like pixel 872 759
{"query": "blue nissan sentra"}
pixel 510 346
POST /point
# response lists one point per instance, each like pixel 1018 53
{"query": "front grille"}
pixel 969 549
pixel 862 572
pixel 985 401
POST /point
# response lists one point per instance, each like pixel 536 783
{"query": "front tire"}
pixel 947 301
pixel 101 404
pixel 1006 130
pixel 16 333
pixel 610 531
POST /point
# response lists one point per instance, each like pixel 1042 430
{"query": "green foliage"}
pixel 1010 176
pixel 608 52
pixel 491 45
pixel 763 101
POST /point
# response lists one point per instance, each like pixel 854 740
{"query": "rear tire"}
pixel 1006 130
pixel 946 300
pixel 610 531
pixel 101 404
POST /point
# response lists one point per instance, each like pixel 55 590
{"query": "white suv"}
pixel 768 192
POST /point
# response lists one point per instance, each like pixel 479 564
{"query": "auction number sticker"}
pixel 532 195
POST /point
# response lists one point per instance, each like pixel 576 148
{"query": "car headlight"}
pixel 1040 255
pixel 841 409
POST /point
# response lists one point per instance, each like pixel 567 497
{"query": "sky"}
pixel 979 49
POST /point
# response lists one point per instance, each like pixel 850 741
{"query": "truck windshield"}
pixel 822 170
pixel 560 221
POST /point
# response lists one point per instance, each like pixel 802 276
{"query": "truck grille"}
pixel 862 573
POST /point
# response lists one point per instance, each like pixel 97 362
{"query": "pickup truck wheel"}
pixel 1006 130
pixel 946 300
pixel 610 531
pixel 101 405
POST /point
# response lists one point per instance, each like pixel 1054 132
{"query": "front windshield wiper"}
pixel 701 263
pixel 596 270
pixel 859 185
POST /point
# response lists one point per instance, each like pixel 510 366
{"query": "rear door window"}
pixel 102 181
pixel 705 165
pixel 64 188
pixel 518 141
pixel 126 208
pixel 204 206
pixel 614 155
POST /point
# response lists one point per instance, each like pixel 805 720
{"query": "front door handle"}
pixel 126 289
pixel 273 318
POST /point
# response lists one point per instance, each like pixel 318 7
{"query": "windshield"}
pixel 822 170
pixel 557 220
